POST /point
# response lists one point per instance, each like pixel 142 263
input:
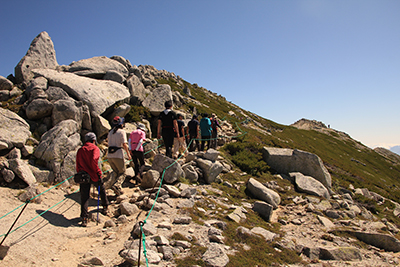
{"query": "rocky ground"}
pixel 57 239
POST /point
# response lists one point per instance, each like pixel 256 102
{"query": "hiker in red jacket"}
pixel 87 159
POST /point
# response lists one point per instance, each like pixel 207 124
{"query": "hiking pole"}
pixel 140 242
pixel 98 204
pixel 5 249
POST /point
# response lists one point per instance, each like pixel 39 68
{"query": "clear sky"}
pixel 333 61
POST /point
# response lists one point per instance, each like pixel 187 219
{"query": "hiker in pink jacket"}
pixel 136 140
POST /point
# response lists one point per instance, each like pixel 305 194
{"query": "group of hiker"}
pixel 197 134
pixel 173 132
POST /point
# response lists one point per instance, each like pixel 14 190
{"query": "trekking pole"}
pixel 26 203
pixel 140 242
pixel 98 204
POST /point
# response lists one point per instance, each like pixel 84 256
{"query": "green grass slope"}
pixel 348 161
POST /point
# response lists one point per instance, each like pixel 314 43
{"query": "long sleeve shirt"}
pixel 136 137
pixel 87 159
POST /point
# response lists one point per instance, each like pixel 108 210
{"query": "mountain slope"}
pixel 349 161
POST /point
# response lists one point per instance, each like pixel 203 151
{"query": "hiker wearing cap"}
pixel 87 159
pixel 193 126
pixel 117 144
pixel 180 142
pixel 205 128
pixel 167 127
pixel 214 127
pixel 136 140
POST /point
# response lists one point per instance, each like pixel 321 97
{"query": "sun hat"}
pixel 141 126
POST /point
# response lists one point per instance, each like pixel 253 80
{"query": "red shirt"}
pixel 87 159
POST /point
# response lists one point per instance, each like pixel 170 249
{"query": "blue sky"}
pixel 333 61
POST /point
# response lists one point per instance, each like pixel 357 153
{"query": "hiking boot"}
pixel 116 190
pixel 84 222
pixel 137 179
pixel 104 210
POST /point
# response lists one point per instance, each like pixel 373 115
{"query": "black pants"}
pixel 85 195
pixel 168 137
pixel 138 160
pixel 214 140
pixel 194 143
pixel 204 139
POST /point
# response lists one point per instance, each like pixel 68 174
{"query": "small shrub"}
pixel 179 236
pixel 248 157
pixel 137 113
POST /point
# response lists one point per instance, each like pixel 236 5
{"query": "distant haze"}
pixel 395 149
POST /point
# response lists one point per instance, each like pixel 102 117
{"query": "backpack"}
pixel 82 177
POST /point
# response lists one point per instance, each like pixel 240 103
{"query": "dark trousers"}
pixel 214 140
pixel 204 139
pixel 138 160
pixel 85 196
pixel 168 137
pixel 194 143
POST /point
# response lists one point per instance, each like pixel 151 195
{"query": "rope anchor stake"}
pixel 4 249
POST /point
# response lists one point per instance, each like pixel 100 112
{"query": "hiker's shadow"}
pixel 58 219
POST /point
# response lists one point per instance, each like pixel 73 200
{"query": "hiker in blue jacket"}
pixel 206 130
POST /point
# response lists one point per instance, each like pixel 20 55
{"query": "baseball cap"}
pixel 90 136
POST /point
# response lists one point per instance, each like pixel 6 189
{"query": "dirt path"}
pixel 55 238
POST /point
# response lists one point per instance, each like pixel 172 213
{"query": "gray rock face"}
pixel 97 67
pixel 38 109
pixel 264 209
pixel 383 241
pixel 68 166
pixel 211 154
pixel 7 175
pixel 22 170
pixel 14 131
pixel 157 97
pixel 42 175
pixel 56 143
pixel 215 256
pixel 309 185
pixel 173 173
pixel 123 61
pixel 41 55
pixel 65 110
pixel 263 193
pixel 149 179
pixel 237 215
pixel 56 93
pixel 115 76
pixel 286 160
pixel 340 254
pixel 101 126
pixel 136 88
pixel 121 111
pixel 190 173
pixel 128 208
pixel 38 83
pixel 210 169
pixel 148 229
pixel 268 235
pixel 5 84
pixel 98 95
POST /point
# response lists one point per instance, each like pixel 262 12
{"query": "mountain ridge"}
pixel 56 108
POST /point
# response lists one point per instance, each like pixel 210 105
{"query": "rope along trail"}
pixel 141 224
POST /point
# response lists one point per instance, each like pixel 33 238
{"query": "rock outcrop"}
pixel 98 95
pixel 41 55
pixel 59 104
pixel 14 131
pixel 285 160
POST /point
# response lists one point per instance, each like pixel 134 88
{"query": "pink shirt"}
pixel 135 138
